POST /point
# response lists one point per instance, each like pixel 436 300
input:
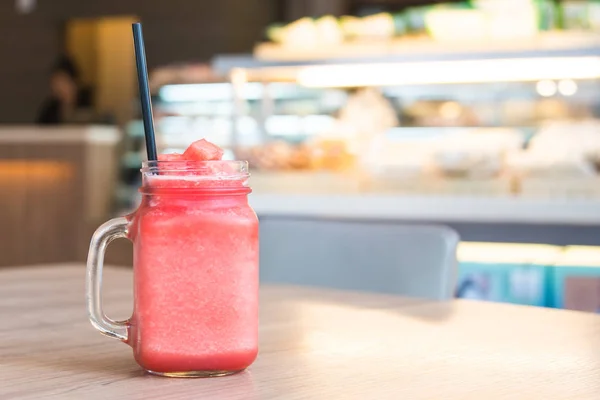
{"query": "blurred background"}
pixel 480 115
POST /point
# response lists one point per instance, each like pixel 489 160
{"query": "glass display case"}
pixel 499 118
pixel 519 119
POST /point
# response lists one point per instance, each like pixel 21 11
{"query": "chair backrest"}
pixel 386 257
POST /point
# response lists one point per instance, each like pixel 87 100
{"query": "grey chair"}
pixel 385 257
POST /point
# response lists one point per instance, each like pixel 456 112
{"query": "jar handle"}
pixel 106 233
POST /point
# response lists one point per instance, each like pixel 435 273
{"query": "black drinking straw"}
pixel 142 71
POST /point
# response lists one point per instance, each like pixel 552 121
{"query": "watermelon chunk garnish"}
pixel 186 170
pixel 203 150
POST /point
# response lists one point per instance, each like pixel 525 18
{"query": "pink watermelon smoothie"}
pixel 196 276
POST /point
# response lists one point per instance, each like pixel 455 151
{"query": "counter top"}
pixel 430 208
pixel 59 134
pixel 315 344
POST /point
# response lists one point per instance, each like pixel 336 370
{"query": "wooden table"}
pixel 315 344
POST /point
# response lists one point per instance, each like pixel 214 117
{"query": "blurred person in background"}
pixel 68 102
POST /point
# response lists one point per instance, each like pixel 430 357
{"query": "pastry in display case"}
pixel 559 161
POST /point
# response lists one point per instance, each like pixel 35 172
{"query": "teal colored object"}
pixel 506 283
pixel 478 281
pixel 507 272
pixel 415 19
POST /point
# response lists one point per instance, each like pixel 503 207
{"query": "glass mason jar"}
pixel 195 241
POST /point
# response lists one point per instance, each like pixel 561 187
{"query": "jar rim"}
pixel 215 169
